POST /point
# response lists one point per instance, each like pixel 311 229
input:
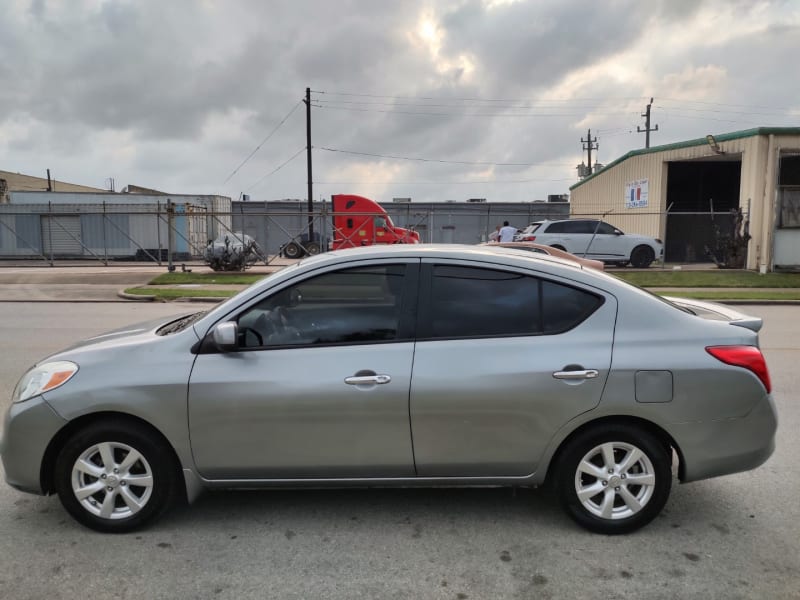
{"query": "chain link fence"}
pixel 167 233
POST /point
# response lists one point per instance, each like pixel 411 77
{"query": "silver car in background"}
pixel 396 366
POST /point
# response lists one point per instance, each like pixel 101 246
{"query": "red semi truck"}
pixel 357 221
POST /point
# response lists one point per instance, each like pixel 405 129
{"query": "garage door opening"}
pixel 700 194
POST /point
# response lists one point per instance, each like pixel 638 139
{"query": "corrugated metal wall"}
pixel 759 159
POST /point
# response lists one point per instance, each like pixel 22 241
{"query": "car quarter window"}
pixel 478 302
pixel 357 305
pixel 565 307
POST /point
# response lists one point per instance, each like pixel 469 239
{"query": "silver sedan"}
pixel 396 366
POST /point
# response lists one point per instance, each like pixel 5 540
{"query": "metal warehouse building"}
pixel 108 225
pixel 681 192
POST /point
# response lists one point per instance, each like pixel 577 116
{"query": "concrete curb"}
pixel 135 297
pixel 146 298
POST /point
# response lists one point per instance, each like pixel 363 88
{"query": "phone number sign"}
pixel 636 193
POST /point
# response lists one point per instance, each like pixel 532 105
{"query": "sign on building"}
pixel 636 193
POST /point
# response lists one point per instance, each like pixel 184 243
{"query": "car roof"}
pixel 455 251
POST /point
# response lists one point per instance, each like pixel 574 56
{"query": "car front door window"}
pixel 360 305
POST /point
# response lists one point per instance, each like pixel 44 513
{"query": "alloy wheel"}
pixel 615 480
pixel 112 480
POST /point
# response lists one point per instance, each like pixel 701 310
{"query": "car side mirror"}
pixel 226 336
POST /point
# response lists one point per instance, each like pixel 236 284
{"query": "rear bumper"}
pixel 28 428
pixel 711 449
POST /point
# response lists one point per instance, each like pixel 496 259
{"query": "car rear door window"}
pixel 478 302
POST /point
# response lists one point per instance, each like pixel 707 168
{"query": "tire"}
pixel 584 465
pixel 292 250
pixel 111 502
pixel 557 247
pixel 642 257
pixel 312 248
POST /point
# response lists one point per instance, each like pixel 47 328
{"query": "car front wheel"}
pixel 614 479
pixel 115 476
pixel 642 257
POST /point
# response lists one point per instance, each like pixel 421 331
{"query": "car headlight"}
pixel 44 378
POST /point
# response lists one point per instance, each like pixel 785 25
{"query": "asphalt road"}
pixel 731 537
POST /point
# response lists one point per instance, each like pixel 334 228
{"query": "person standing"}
pixel 495 235
pixel 507 232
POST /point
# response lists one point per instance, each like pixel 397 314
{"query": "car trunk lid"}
pixel 718 312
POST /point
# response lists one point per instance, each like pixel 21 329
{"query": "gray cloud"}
pixel 175 94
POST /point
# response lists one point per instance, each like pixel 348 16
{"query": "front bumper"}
pixel 711 449
pixel 28 428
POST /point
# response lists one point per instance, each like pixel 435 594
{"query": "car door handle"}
pixel 367 379
pixel 583 374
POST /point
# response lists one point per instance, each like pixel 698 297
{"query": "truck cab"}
pixel 359 221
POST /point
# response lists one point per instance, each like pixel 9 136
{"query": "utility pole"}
pixel 647 129
pixel 589 144
pixel 308 160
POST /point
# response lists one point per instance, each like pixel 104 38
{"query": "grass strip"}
pixel 173 294
pixel 668 278
pixel 652 278
pixel 218 278
pixel 735 295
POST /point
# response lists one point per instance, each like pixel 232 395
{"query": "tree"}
pixel 730 250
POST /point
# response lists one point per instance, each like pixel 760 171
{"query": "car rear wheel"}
pixel 614 479
pixel 312 248
pixel 292 250
pixel 557 247
pixel 115 476
pixel 642 257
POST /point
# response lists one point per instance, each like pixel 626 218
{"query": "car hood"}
pixel 718 312
pixel 144 331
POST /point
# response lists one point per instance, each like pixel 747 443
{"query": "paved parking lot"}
pixel 731 537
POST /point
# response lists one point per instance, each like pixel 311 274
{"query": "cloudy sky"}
pixel 434 100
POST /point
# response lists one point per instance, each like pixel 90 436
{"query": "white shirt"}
pixel 507 233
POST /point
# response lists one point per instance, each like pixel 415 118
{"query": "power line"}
pixel 515 105
pixel 271 133
pixel 435 160
pixel 488 181
pixel 357 95
pixel 562 100
pixel 470 114
pixel 726 104
pixel 278 168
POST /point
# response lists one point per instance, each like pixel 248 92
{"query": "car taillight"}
pixel 528 238
pixel 748 357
